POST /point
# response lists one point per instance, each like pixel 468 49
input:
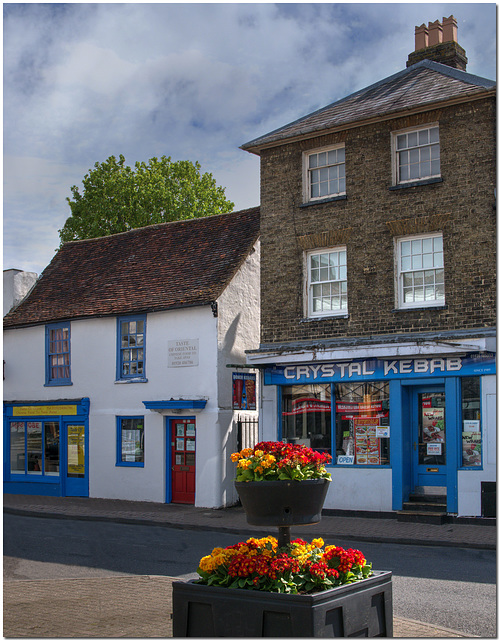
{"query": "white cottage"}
pixel 116 384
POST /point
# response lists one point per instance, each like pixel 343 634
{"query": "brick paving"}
pixel 141 606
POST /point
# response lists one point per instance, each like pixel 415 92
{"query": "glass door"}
pixel 429 438
pixel 75 467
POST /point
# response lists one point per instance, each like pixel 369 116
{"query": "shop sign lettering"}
pixel 380 369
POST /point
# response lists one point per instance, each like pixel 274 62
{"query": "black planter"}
pixel 283 503
pixel 360 609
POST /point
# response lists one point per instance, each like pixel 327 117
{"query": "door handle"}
pixel 415 446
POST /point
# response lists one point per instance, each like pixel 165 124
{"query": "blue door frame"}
pixel 402 393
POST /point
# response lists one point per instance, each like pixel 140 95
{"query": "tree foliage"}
pixel 118 198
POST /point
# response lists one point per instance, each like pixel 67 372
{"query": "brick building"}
pixel 378 305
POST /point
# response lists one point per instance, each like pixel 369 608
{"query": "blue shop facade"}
pixel 395 426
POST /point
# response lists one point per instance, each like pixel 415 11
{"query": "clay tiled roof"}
pixel 423 84
pixel 165 266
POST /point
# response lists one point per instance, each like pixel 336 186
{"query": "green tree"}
pixel 117 198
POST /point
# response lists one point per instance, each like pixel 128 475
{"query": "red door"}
pixel 183 460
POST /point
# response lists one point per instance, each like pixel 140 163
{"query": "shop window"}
pixel 416 155
pixel 327 282
pixel 471 431
pixel 306 415
pixel 130 449
pixel 34 448
pixel 325 173
pixel 362 423
pixel 58 354
pixel 131 348
pixel 420 271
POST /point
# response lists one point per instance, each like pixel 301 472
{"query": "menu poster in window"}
pixel 244 391
pixel 367 449
pixel 472 448
pixel 433 424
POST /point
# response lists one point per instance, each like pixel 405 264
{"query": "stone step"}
pixel 424 517
pixel 425 506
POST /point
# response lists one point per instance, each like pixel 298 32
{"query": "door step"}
pixel 428 509
pixel 424 517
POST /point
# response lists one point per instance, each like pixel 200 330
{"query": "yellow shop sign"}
pixel 46 410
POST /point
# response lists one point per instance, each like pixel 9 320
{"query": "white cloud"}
pixel 193 81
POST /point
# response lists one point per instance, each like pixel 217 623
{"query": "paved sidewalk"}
pixel 140 606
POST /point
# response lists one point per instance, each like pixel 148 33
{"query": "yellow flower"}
pixel 259 453
pixel 245 453
pixel 235 457
pixel 317 543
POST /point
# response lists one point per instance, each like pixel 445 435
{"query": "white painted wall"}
pixel 360 490
pixel 16 284
pixel 469 480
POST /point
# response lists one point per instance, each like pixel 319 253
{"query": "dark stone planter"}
pixel 360 609
pixel 283 503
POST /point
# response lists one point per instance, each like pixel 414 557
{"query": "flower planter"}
pixel 360 609
pixel 283 503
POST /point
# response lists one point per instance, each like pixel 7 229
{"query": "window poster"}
pixel 180 444
pixel 180 429
pixel 76 449
pixel 244 391
pixel 190 445
pixel 367 449
pixel 191 429
pixel 472 447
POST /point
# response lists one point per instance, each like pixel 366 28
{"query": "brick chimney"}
pixel 438 42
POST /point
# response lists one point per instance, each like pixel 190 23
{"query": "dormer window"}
pixel 325 173
pixel 416 154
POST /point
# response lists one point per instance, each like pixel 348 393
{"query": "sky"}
pixel 84 81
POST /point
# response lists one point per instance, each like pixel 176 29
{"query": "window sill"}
pixel 131 380
pixel 58 384
pixel 130 464
pixel 323 201
pixel 317 318
pixel 415 183
pixel 436 307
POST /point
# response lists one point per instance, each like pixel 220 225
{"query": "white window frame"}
pixel 307 188
pixel 418 147
pixel 401 269
pixel 341 279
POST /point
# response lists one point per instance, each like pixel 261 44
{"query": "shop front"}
pixel 46 448
pixel 394 426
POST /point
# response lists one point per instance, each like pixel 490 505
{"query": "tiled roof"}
pixel 422 84
pixel 164 266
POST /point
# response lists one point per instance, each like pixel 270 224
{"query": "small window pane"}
pixel 434 137
pixel 322 159
pixel 402 141
pixel 412 139
pixel 312 161
pixel 423 137
pixel 340 155
pixel 332 157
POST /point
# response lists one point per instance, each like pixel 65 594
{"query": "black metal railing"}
pixel 247 432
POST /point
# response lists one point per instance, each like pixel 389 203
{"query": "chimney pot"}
pixel 434 33
pixel 421 37
pixel 449 29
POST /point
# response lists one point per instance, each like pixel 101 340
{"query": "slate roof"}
pixel 420 85
pixel 160 267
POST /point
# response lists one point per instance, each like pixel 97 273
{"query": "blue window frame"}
pixel 131 348
pixel 58 354
pixel 130 441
